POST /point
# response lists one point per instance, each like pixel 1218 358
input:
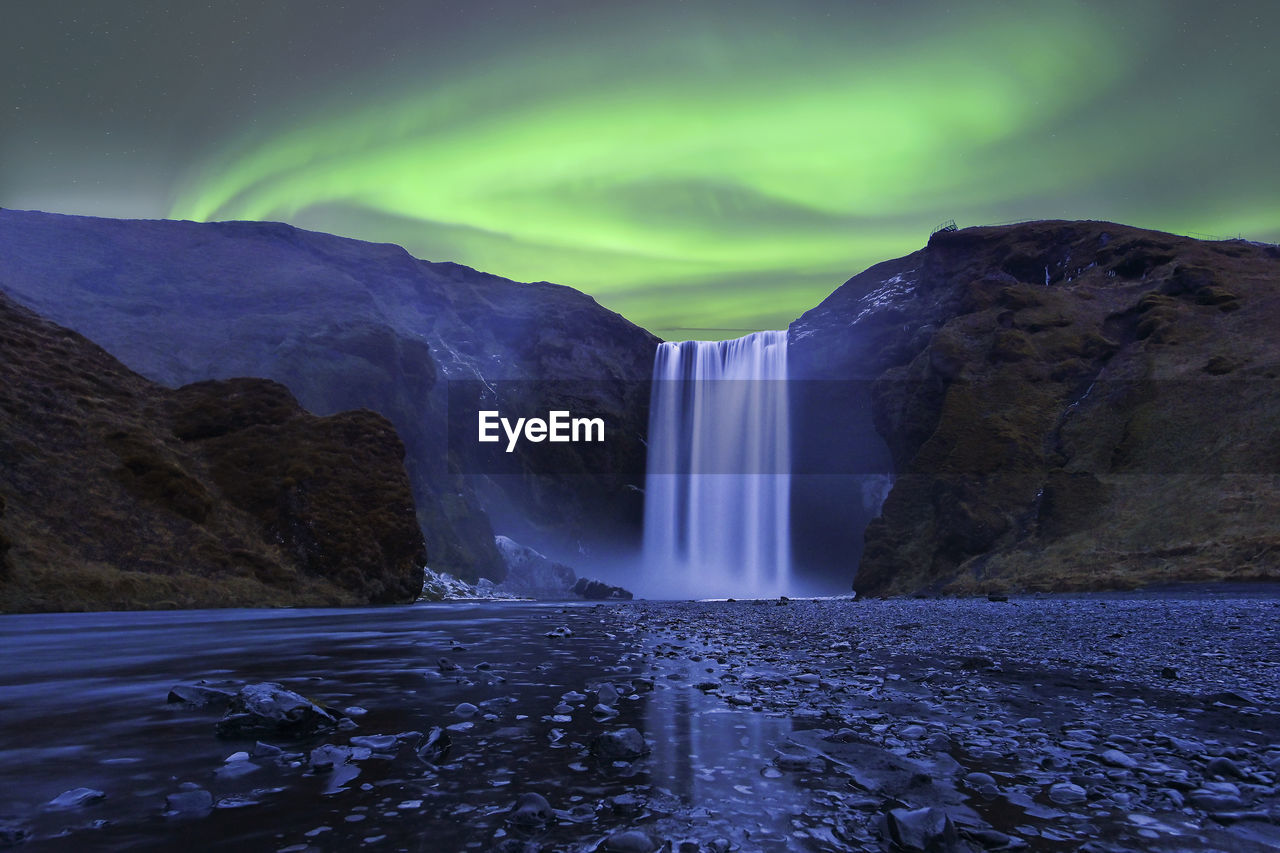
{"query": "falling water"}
pixel 718 490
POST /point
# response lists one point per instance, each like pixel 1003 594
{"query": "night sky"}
pixel 694 165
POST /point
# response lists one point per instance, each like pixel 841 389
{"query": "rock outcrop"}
pixel 1068 405
pixel 118 493
pixel 532 575
pixel 346 324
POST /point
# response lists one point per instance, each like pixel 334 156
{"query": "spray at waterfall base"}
pixel 735 486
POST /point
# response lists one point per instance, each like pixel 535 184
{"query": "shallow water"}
pixel 770 725
pixel 83 704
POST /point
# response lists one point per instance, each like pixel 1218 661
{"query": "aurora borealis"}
pixel 701 167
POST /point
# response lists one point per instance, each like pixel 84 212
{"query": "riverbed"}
pixel 1125 722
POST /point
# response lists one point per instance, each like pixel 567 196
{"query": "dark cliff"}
pixel 1068 405
pixel 346 324
pixel 117 493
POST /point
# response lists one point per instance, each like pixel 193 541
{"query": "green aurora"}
pixel 725 166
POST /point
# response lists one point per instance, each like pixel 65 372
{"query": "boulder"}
pixel 594 590
pixel 924 830
pixel 269 709
pixel 620 745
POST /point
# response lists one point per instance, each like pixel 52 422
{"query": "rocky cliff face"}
pixel 117 493
pixel 346 324
pixel 1069 405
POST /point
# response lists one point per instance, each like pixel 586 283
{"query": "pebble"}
pixel 1066 793
pixel 1116 758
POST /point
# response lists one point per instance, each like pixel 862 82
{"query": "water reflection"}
pixel 82 704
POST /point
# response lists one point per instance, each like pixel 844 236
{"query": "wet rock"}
pixel 1116 758
pixel 1216 799
pixel 517 845
pixel 1231 698
pixel 13 833
pixel 76 797
pixel 1169 673
pixel 268 708
pixel 991 839
pixel 620 745
pixel 924 829
pixel 266 750
pixel 200 695
pixel 1224 768
pixel 377 743
pixel 939 743
pixel 193 803
pixel 436 745
pixel 978 780
pixel 328 756
pixel 466 710
pixel 1066 793
pixel 796 761
pixel 607 695
pixel 531 811
pixel 628 841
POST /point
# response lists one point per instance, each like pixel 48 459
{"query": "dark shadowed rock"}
pixel 925 830
pixel 345 325
pixel 531 811
pixel 192 803
pixel 620 744
pixel 217 494
pixel 594 590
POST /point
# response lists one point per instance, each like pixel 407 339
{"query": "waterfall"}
pixel 718 490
